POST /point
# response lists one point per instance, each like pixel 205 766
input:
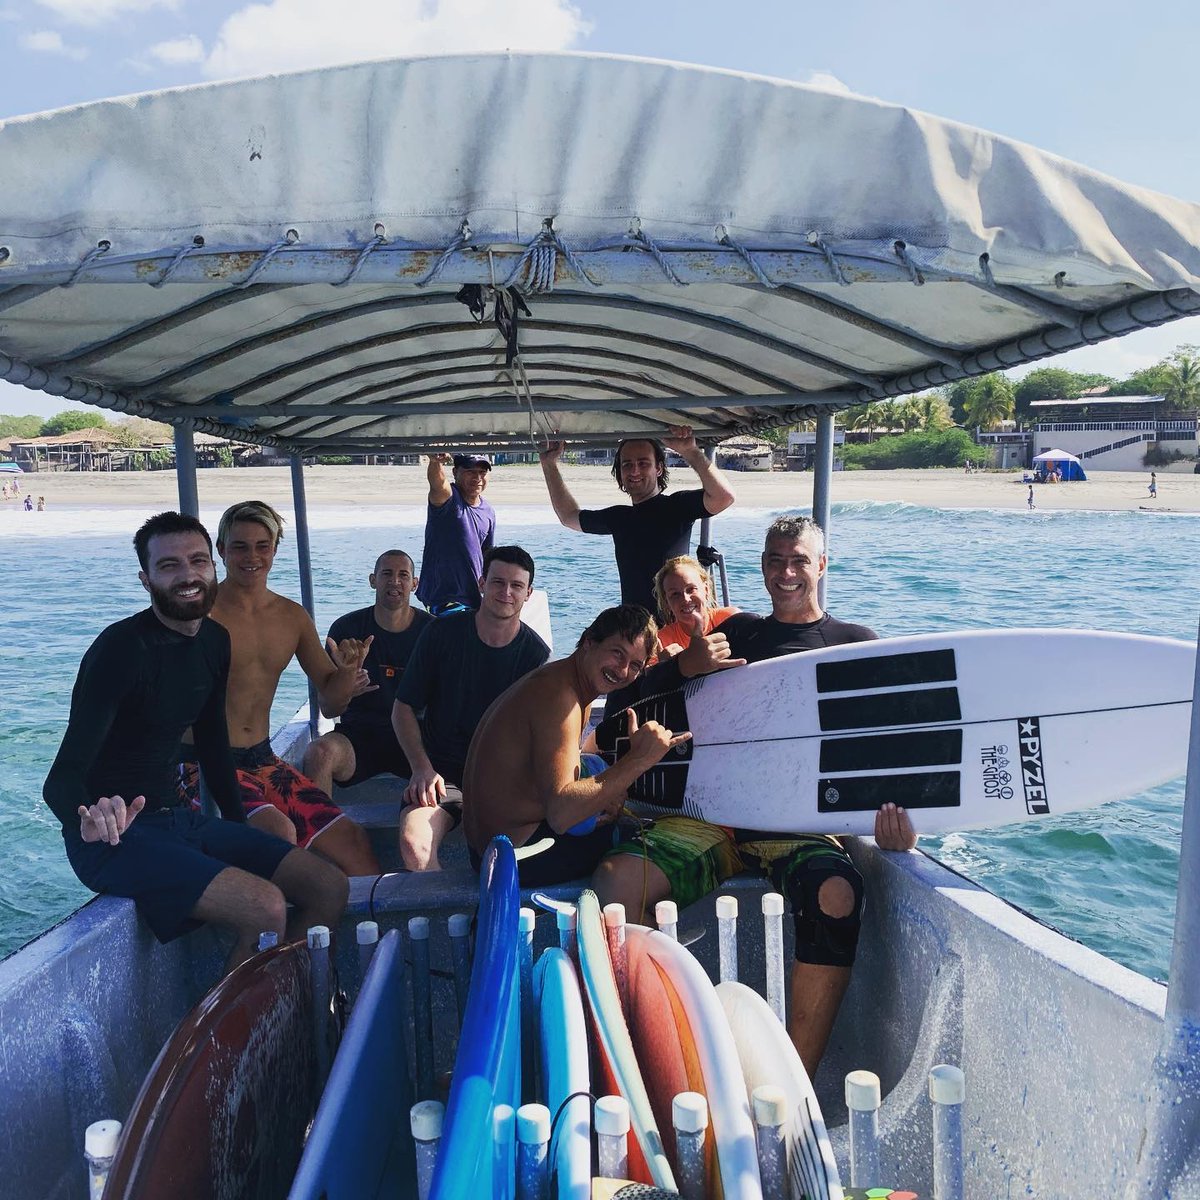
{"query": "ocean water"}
pixel 1106 877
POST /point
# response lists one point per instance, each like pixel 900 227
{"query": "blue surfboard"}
pixel 487 1068
pixel 360 1146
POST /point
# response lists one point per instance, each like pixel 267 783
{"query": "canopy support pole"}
pixel 1169 1161
pixel 822 481
pixel 718 559
pixel 185 471
pixel 304 561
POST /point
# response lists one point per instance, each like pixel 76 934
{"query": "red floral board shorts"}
pixel 265 779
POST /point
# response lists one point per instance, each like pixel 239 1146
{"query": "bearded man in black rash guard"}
pixel 114 783
pixel 813 870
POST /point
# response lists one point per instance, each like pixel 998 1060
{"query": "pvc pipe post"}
pixel 267 940
pixel 366 936
pixel 425 1120
pixel 666 917
pixel 567 921
pixel 947 1089
pixel 862 1101
pixel 100 1141
pixel 418 936
pixel 533 1152
pixel 321 983
pixel 504 1120
pixel 460 955
pixel 727 911
pixel 772 909
pixel 614 930
pixel 689 1116
pixel 770 1131
pixel 611 1122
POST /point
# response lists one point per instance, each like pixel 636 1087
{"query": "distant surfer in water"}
pixel 687 603
pixel 114 782
pixel 656 526
pixel 686 859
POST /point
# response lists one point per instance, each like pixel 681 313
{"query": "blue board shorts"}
pixel 167 858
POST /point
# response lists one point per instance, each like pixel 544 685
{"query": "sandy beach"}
pixel 334 487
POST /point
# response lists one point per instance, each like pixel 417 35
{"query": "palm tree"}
pixel 934 411
pixel 868 417
pixel 990 402
pixel 1183 379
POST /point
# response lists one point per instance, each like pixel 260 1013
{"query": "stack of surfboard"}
pixel 646 1024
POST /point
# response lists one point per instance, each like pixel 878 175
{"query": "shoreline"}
pixel 338 487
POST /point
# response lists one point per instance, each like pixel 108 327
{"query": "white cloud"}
pixel 9 14
pixel 47 41
pixel 96 12
pixel 286 35
pixel 178 51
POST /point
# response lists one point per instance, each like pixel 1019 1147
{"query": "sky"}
pixel 1102 82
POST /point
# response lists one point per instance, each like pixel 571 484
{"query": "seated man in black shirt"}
pixel 114 783
pixel 364 744
pixel 655 526
pixel 812 870
pixel 460 664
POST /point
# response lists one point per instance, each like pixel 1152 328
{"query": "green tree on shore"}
pixel 71 421
pixel 984 401
pixel 19 427
pixel 1182 377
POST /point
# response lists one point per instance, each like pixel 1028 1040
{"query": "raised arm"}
pixel 569 800
pixel 718 495
pixel 435 472
pixel 561 500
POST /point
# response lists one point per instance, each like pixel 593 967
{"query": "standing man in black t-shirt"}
pixel 655 526
pixel 364 744
pixel 812 870
pixel 460 664
pixel 115 785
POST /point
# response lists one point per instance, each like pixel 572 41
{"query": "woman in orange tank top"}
pixel 687 603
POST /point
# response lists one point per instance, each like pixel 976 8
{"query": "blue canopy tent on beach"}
pixel 1070 467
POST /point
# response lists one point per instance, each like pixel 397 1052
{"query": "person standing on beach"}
pixel 267 631
pixel 460 528
pixel 1029 499
pixel 460 664
pixel 114 782
pixel 1153 486
pixel 364 744
pixel 655 526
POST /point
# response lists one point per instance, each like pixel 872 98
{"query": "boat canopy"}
pixel 485 250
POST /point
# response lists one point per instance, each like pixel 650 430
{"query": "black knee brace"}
pixel 821 939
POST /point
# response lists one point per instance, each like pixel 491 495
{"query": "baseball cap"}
pixel 470 461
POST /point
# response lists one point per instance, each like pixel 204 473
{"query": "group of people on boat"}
pixel 458 695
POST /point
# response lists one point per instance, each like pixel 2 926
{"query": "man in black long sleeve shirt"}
pixel 140 685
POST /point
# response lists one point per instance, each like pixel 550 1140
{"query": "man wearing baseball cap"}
pixel 460 528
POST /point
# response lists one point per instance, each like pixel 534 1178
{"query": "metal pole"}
pixel 304 560
pixel 822 479
pixel 185 471
pixel 1173 1110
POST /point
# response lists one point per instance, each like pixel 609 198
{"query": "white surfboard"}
pixel 768 1057
pixel 964 729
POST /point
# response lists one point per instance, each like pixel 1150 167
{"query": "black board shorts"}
pixel 167 858
pixel 376 752
pixel 571 857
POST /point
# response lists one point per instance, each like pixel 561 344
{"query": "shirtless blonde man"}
pixel 524 776
pixel 267 631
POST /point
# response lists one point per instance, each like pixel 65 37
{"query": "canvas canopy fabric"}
pixel 281 259
pixel 1068 464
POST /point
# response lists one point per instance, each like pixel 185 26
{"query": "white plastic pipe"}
pixel 459 927
pixel 504 1120
pixel 727 911
pixel 99 1148
pixel 566 931
pixel 267 940
pixel 418 938
pixel 772 908
pixel 614 930
pixel 533 1148
pixel 366 937
pixel 666 917
pixel 947 1089
pixel 425 1120
pixel 321 983
pixel 611 1122
pixel 770 1130
pixel 862 1101
pixel 689 1116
